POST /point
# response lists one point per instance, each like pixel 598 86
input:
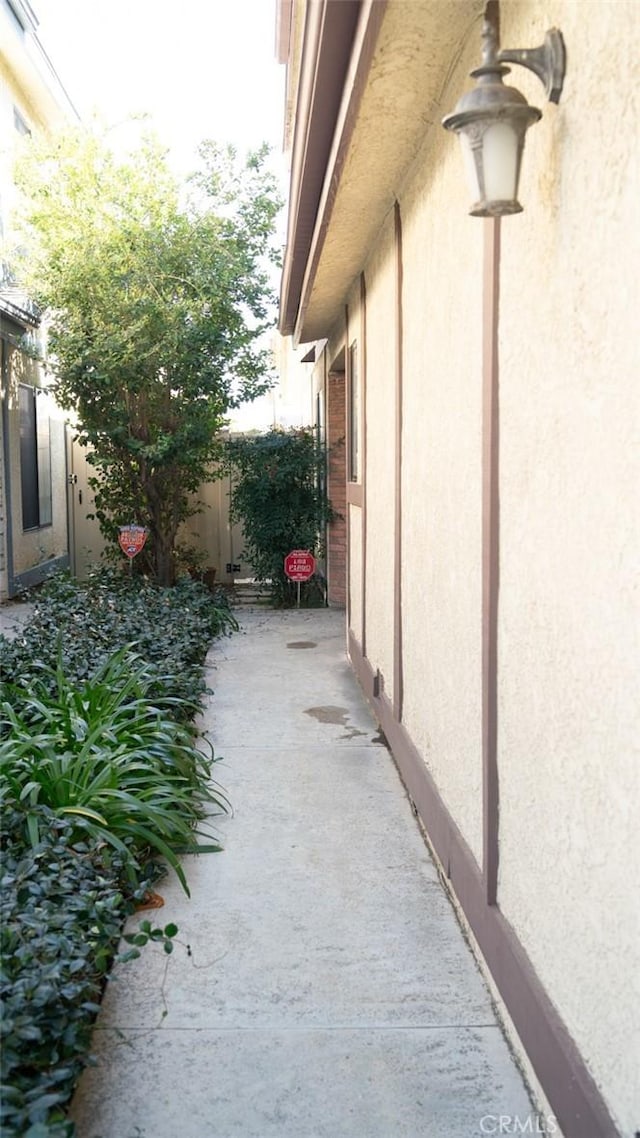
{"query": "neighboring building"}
pixel 485 374
pixel 33 471
pixel 294 400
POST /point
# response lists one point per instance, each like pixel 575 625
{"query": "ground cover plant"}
pixel 101 771
pixel 62 905
pixel 170 629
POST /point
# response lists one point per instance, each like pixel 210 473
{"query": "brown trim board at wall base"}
pixel 563 1075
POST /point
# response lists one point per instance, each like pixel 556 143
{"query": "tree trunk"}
pixel 163 529
pixel 162 545
pixel 165 564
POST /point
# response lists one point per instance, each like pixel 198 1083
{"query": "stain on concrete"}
pixel 302 644
pixel 381 739
pixel 329 714
pixel 337 715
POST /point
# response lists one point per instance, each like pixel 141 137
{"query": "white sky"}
pixel 200 68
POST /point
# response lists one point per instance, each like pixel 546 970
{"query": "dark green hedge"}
pixel 64 902
pixel 279 495
pixel 170 628
pixel 62 906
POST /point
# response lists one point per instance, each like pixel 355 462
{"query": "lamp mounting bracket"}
pixel 548 62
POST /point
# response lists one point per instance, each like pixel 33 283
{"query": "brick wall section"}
pixel 337 490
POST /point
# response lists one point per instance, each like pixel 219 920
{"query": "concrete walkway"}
pixel 327 991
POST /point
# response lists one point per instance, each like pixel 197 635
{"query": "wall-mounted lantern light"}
pixel 492 119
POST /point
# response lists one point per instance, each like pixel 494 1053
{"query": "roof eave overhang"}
pixel 24 314
pixel 328 38
pixel 371 20
pixel 400 67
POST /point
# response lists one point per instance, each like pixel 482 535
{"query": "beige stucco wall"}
pixel 354 333
pixel 379 417
pixel 569 488
pixel 12 95
pixel 28 84
pixel 441 480
pixel 293 396
pixel 441 472
pixel 35 547
pixel 355 571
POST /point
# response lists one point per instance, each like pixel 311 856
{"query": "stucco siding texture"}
pixel 354 335
pixel 35 547
pixel 380 411
pixel 355 571
pixel 568 649
pixel 441 480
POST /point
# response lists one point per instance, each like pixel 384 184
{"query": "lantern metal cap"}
pixel 491 99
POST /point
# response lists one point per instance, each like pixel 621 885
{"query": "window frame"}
pixel 36 489
pixel 353 409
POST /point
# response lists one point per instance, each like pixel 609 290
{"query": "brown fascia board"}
pixel 284 13
pixel 367 34
pixel 325 61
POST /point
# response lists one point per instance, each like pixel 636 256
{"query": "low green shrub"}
pixel 99 772
pixel 103 751
pixel 171 629
pixel 62 907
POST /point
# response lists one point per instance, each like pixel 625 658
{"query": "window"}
pixel 354 415
pixel 319 433
pixel 319 418
pixel 35 459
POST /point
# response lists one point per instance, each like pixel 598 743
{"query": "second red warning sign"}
pixel 299 565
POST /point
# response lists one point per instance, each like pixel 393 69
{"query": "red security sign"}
pixel 299 565
pixel 132 539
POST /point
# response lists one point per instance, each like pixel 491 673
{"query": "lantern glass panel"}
pixel 500 159
pixel 471 155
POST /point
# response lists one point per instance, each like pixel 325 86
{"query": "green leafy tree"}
pixel 156 299
pixel 279 495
